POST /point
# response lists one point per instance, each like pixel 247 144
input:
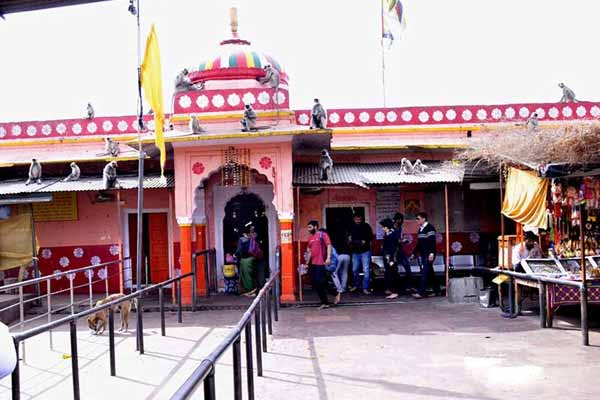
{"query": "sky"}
pixel 453 52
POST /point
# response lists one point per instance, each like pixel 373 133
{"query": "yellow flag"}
pixel 152 85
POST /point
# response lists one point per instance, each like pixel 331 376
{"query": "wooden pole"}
pixel 501 248
pixel 582 239
pixel 120 254
pixel 447 238
pixel 299 255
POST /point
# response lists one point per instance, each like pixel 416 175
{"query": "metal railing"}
pixel 542 281
pixel 39 298
pixel 264 310
pixel 73 318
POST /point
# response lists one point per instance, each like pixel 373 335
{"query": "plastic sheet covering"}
pixel 15 241
pixel 525 199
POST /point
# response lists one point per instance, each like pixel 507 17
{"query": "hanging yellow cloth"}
pixel 152 85
pixel 15 241
pixel 525 198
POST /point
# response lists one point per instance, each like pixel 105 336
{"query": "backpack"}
pixel 334 256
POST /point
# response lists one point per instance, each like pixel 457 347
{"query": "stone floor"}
pixel 426 349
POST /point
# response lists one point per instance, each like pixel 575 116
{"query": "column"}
pixel 287 260
pixel 185 237
pixel 200 267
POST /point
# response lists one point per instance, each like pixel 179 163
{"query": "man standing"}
pixel 360 239
pixel 426 243
pixel 390 248
pixel 318 256
pixel 401 257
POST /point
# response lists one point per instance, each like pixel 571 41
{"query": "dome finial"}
pixel 234 21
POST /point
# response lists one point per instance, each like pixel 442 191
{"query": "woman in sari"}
pixel 247 260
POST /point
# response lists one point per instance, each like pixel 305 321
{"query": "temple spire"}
pixel 233 21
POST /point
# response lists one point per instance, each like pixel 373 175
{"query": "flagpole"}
pixel 383 59
pixel 140 203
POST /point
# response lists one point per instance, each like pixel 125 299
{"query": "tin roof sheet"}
pixel 365 175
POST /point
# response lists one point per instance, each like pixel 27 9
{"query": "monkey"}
pixel 249 120
pixel 195 127
pixel 183 82
pixel 271 78
pixel 406 167
pixel 319 116
pixel 325 165
pixel 532 123
pixel 419 167
pixel 111 147
pixel 109 176
pixel 568 94
pixel 90 111
pixel 74 175
pixel 35 172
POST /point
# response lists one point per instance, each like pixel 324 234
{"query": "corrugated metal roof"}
pixel 364 175
pixel 51 185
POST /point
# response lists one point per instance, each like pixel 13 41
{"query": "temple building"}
pixel 220 177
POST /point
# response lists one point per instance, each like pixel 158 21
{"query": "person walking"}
pixel 318 255
pixel 247 260
pixel 389 251
pixel 339 272
pixel 426 244
pixel 401 257
pixel 359 240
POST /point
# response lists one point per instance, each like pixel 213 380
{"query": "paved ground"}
pixel 413 350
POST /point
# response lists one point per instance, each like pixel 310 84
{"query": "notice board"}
pixel 387 204
pixel 63 207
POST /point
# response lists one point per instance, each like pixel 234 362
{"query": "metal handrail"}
pixel 205 372
pixel 58 275
pixel 73 318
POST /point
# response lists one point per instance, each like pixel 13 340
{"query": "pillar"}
pixel 201 245
pixel 287 261
pixel 185 237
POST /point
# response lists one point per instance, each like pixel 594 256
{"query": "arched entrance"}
pixel 243 210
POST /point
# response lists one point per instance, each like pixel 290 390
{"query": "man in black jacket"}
pixel 426 244
pixel 359 241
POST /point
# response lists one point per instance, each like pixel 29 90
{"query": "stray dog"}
pixel 97 321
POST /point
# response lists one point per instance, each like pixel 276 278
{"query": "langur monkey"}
pixel 90 111
pixel 249 120
pixel 325 165
pixel 111 147
pixel 195 127
pixel 183 82
pixel 318 116
pixel 568 94
pixel 35 172
pixel 109 176
pixel 532 123
pixel 75 173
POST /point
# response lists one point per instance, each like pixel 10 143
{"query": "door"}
pixel 338 221
pixel 158 232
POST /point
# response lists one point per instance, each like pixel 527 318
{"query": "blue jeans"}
pixel 340 274
pixel 364 260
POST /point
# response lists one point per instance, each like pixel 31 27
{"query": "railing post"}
pixel 74 360
pixel 179 313
pixel 249 369
pixel 90 285
pixel 161 306
pixel 263 322
pixel 194 281
pixel 237 370
pixel 585 334
pixel 209 385
pixel 543 305
pixel 276 302
pixel 258 345
pixel 22 318
pixel 268 310
pixel 140 326
pixel 111 341
pixel 15 376
pixel 49 303
pixel 72 294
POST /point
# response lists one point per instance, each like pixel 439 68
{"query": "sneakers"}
pixel 418 296
pixel 323 306
pixel 388 292
pixel 392 296
pixel 366 292
pixel 352 289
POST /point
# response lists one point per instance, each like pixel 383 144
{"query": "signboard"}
pixel 63 207
pixel 546 266
pixel 387 204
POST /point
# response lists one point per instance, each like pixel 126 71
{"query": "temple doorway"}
pixel 241 211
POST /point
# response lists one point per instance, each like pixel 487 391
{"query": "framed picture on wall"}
pixel 411 208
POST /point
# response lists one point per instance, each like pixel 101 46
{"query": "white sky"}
pixel 453 52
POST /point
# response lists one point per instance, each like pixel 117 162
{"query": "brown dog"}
pixel 97 321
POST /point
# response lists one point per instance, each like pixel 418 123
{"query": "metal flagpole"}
pixel 140 205
pixel 383 59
